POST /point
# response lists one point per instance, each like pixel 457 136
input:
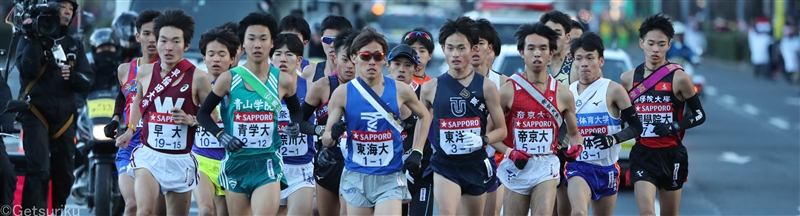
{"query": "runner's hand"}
pixel 603 141
pixel 292 130
pixel 180 117
pixel 520 158
pixel 472 140
pixel 324 157
pixel 573 152
pixel 110 129
pixel 413 162
pixel 663 130
pixel 231 143
pixel 125 139
pixel 338 129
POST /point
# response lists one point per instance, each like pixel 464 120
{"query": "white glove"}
pixel 472 140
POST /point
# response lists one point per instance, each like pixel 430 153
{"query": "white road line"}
pixel 779 123
pixel 750 109
pixel 727 99
pixel 794 101
pixel 711 91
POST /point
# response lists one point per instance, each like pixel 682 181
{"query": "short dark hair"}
pixel 589 41
pixel 146 16
pixel 497 44
pixel 368 35
pixel 292 42
pixel 577 25
pixel 657 22
pixel 487 32
pixel 463 25
pixel 230 26
pixel 295 23
pixel 557 17
pixel 223 36
pixel 539 29
pixel 428 44
pixel 257 18
pixel 175 18
pixel 336 22
pixel 348 40
pixel 338 42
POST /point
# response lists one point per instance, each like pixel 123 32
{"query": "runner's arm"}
pixel 626 80
pixel 221 89
pixel 119 103
pixel 202 88
pixel 492 98
pixel 569 115
pixel 289 87
pixel 335 110
pixel 312 101
pixel 620 99
pixel 506 98
pixel 685 88
pixel 136 114
pixel 423 125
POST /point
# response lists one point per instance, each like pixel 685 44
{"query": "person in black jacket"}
pixel 52 71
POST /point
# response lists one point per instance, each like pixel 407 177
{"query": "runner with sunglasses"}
pixel 329 162
pixel 461 102
pixel 421 41
pixel 331 26
pixel 372 181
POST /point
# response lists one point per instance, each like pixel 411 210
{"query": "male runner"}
pixel 537 105
pixel 329 162
pixel 297 153
pixel 421 41
pixel 331 26
pixel 173 88
pixel 600 104
pixel 403 61
pixel 294 24
pixel 459 165
pixel 560 68
pixel 660 90
pixel 126 74
pixel 219 47
pixel 251 171
pixel 233 27
pixel 372 181
pixel 576 31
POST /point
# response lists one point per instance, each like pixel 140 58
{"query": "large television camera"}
pixel 44 14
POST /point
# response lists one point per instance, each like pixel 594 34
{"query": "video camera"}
pixel 44 14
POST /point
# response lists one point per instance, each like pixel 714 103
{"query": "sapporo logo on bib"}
pixel 204 139
pixel 165 133
pixel 589 123
pixel 254 128
pixel 533 132
pixel 373 149
pixel 653 110
pixel 452 133
pixel 291 147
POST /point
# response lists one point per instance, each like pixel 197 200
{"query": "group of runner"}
pixel 350 141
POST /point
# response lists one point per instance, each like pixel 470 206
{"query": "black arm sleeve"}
pixel 295 110
pixel 82 74
pixel 634 125
pixel 29 58
pixel 119 105
pixel 699 114
pixel 204 114
pixel 307 127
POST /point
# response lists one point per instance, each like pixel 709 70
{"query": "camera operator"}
pixel 52 71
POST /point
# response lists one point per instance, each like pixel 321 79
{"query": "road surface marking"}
pixel 727 99
pixel 711 91
pixel 779 123
pixel 732 157
pixel 750 109
pixel 794 101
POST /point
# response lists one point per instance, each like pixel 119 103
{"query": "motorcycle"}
pixel 102 194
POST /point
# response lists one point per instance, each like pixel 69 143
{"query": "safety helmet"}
pixel 125 27
pixel 103 36
pixel 679 27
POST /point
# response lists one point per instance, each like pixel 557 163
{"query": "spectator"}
pixel 760 39
pixel 789 46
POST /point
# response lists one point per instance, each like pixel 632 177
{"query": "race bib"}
pixel 534 136
pixel 403 136
pixel 591 152
pixel 292 147
pixel 653 113
pixel 373 149
pixel 452 133
pixel 165 134
pixel 205 139
pixel 254 129
pixel 342 145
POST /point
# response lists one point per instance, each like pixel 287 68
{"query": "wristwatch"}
pixel 319 129
pixel 485 140
pixel 675 127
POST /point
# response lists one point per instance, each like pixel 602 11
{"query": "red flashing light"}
pixel 512 5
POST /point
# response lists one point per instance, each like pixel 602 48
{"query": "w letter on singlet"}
pixel 167 104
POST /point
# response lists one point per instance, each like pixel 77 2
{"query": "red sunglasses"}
pixel 366 56
pixel 417 33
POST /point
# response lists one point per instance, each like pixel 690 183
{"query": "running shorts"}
pixel 123 159
pixel 328 176
pixel 474 177
pixel 666 168
pixel 245 174
pixel 210 168
pixel 297 176
pixel 366 190
pixel 173 172
pixel 602 180
pixel 421 196
pixel 538 169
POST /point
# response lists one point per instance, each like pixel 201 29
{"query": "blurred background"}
pixel 742 56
